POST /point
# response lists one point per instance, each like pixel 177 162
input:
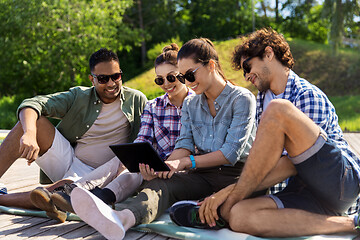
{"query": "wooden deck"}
pixel 20 178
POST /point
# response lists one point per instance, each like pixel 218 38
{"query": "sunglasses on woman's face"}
pixel 103 79
pixel 171 78
pixel 246 66
pixel 189 75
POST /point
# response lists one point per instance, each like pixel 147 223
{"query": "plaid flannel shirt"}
pixel 315 104
pixel 160 125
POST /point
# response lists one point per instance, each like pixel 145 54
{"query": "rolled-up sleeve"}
pixel 241 132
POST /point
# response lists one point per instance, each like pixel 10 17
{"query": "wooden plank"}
pixel 16 230
pixel 53 232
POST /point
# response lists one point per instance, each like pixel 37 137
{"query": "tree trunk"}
pixel 337 26
pixel 143 44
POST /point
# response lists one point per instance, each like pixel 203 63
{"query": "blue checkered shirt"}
pixel 160 125
pixel 315 104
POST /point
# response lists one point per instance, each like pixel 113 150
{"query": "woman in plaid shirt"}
pixel 160 125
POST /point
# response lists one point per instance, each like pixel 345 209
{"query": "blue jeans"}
pixel 325 184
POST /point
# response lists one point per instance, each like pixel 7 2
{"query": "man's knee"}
pixel 278 111
pixel 240 218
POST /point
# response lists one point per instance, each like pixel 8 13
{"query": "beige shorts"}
pixel 60 162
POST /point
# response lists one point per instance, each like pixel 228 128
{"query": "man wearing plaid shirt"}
pixel 294 115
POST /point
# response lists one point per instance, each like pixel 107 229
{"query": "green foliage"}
pixel 8 106
pixel 46 44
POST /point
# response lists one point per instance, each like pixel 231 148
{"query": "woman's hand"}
pixel 147 173
pixel 175 165
pixel 208 210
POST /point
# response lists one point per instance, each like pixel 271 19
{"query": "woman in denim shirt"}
pixel 218 128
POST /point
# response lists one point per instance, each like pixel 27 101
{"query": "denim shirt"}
pixel 231 131
pixel 79 107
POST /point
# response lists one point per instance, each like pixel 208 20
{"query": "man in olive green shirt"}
pixel 92 118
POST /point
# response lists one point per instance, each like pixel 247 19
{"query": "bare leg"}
pixel 282 125
pixel 260 217
pixel 22 199
pixel 9 149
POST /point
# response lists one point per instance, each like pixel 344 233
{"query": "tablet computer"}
pixel 131 154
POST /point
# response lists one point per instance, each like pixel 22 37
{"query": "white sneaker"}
pixel 97 214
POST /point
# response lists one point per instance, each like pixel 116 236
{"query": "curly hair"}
pixel 254 44
pixel 169 55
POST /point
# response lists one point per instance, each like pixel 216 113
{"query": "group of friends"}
pixel 224 147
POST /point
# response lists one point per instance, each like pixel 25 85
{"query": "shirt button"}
pixel 210 135
pixel 94 102
pixel 77 137
pixel 97 110
pixel 87 126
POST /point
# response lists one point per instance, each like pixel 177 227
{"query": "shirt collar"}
pixel 222 97
pixel 98 100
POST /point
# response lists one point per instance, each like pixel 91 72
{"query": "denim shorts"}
pixel 326 182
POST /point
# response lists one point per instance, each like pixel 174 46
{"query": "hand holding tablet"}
pixel 131 154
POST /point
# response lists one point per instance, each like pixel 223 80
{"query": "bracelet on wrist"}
pixel 193 163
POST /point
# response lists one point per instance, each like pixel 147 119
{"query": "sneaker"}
pixel 3 189
pixel 186 213
pixel 97 214
pixel 41 198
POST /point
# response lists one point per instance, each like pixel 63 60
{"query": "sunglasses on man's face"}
pixel 246 66
pixel 189 75
pixel 103 79
pixel 171 78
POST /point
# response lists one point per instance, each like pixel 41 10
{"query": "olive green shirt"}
pixel 79 107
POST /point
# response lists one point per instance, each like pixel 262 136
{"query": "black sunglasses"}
pixel 246 66
pixel 189 75
pixel 103 79
pixel 170 78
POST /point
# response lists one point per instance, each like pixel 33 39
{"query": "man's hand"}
pixel 147 173
pixel 208 209
pixel 29 147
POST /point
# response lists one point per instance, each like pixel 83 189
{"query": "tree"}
pixel 46 44
pixel 341 13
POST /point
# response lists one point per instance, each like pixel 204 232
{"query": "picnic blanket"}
pixel 164 226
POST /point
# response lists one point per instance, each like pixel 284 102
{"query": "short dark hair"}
pixel 169 55
pixel 102 55
pixel 254 44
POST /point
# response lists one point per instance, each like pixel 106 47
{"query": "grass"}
pixel 338 76
pixel 348 110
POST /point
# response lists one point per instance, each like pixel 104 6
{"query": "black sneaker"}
pixel 186 213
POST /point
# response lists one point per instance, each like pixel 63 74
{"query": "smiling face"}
pixel 109 91
pixel 259 73
pixel 202 82
pixel 171 88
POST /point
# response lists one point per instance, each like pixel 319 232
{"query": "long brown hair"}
pixel 201 50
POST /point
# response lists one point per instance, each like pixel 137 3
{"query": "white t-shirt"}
pixel 269 95
pixel 111 127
